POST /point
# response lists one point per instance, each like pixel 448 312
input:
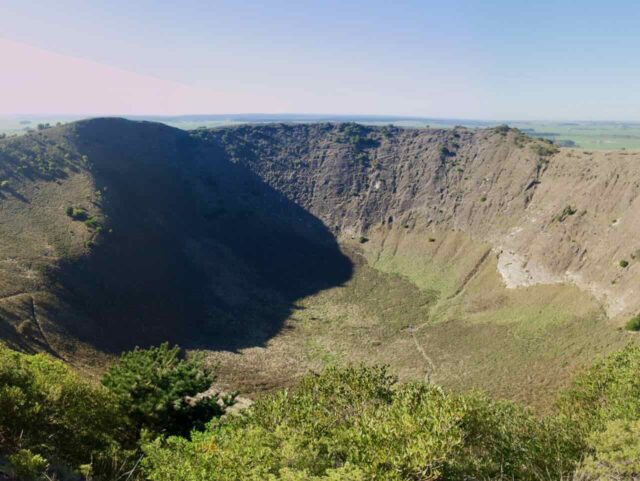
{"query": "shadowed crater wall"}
pixel 184 245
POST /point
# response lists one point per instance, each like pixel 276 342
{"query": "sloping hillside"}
pixel 139 234
pixel 476 258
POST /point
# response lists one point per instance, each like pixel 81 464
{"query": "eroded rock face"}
pixel 568 216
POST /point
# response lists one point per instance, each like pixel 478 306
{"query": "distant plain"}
pixel 587 135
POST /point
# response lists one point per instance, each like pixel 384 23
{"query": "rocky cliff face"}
pixel 551 216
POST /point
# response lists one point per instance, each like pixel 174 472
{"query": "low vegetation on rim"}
pixel 352 423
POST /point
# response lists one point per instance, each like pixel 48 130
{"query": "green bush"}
pixel 28 465
pixel 445 153
pixel 624 263
pixel 77 213
pixel 566 212
pixel 357 423
pixel 615 453
pixel 633 324
pixel 544 149
pixel 609 390
pixel 48 409
pixel 502 129
pixel 153 386
pixel 92 223
pixel 346 424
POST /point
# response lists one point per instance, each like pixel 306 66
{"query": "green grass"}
pixel 589 136
pixel 523 344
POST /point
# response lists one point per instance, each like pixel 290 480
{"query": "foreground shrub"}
pixel 27 465
pixel 347 424
pixel 153 386
pixel 48 411
pixel 506 441
pixel 608 391
pixel 357 423
pixel 603 407
pixel 616 453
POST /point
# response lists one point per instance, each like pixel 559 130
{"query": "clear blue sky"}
pixel 466 59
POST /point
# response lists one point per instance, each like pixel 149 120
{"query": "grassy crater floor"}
pixel 522 344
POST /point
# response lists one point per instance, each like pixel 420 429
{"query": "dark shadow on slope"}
pixel 194 249
pixel 8 191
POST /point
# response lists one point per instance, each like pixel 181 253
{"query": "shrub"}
pixel 357 135
pixel 502 129
pixel 77 213
pixel 624 263
pixel 153 387
pixel 615 453
pixel 92 223
pixel 358 424
pixel 566 212
pixel 445 153
pixel 4 184
pixel 362 158
pixel 544 149
pixel 28 465
pixel 49 410
pixel 609 390
pixel 633 324
pixel 346 424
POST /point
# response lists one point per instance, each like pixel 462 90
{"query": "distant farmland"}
pixel 583 135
